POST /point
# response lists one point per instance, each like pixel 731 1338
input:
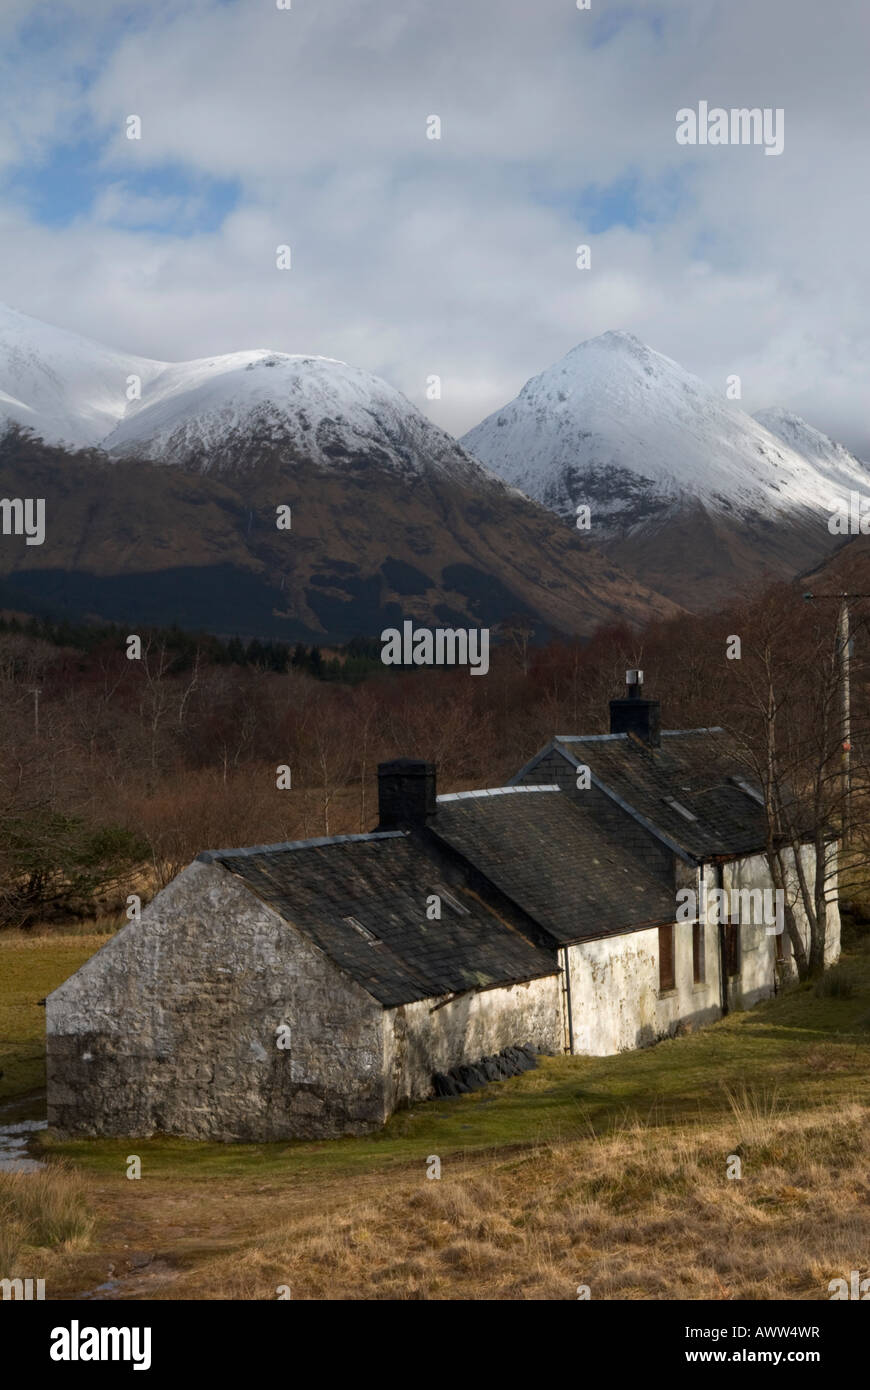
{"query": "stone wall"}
pixel 172 1027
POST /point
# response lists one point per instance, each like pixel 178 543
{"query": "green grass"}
pixel 809 1049
pixel 31 966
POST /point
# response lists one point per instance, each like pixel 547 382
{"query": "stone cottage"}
pixel 310 989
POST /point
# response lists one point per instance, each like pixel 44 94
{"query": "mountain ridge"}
pixel 690 496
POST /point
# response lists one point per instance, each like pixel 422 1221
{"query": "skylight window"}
pixel 457 906
pixel 364 932
pixel 678 806
pixel 748 789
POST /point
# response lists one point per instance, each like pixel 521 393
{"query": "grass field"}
pixel 606 1172
pixel 30 966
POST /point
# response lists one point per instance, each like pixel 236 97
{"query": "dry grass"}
pixel 48 1209
pixel 634 1214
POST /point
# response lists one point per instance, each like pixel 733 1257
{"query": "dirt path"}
pixel 151 1235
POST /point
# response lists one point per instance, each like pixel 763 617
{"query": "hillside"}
pixel 130 540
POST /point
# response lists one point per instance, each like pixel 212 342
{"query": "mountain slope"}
pixel 173 516
pixel 130 540
pixel 685 489
pixel 212 413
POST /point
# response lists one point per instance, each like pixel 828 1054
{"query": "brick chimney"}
pixel 406 793
pixel 634 714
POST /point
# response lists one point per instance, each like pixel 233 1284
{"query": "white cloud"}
pixel 457 257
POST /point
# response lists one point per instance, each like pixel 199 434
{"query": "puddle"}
pixel 143 1275
pixel 14 1139
pixel 110 1287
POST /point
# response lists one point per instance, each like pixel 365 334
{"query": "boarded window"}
pixel 732 948
pixel 667 978
pixel 364 932
pixel 459 908
pixel 698 970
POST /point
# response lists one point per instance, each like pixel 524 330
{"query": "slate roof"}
pixel 697 768
pixel 580 864
pixel 382 880
pixel 556 860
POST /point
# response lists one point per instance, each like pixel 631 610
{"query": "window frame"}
pixel 699 954
pixel 667 934
pixel 732 943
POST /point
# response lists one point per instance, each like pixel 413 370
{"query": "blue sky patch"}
pixel 71 183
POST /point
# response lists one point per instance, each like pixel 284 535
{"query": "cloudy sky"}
pixel 307 126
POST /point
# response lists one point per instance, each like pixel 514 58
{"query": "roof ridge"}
pixel 702 729
pixel 586 738
pixel 499 791
pixel 207 856
pixel 665 733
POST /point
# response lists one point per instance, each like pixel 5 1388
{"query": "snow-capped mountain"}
pixel 391 517
pixel 215 413
pixel 688 493
pixel 68 389
pixel 831 459
pixel 686 490
pixel 629 432
pixel 225 412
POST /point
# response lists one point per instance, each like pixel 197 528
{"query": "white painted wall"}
pixel 616 1001
pixel 758 946
pixel 437 1034
pixel 615 997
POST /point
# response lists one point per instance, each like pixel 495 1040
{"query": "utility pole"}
pixel 845 711
pixel 35 692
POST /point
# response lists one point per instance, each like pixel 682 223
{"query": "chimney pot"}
pixel 634 682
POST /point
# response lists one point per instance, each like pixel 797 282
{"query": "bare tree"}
pixel 786 714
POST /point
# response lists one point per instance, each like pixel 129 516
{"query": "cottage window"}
pixel 698 962
pixel 667 975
